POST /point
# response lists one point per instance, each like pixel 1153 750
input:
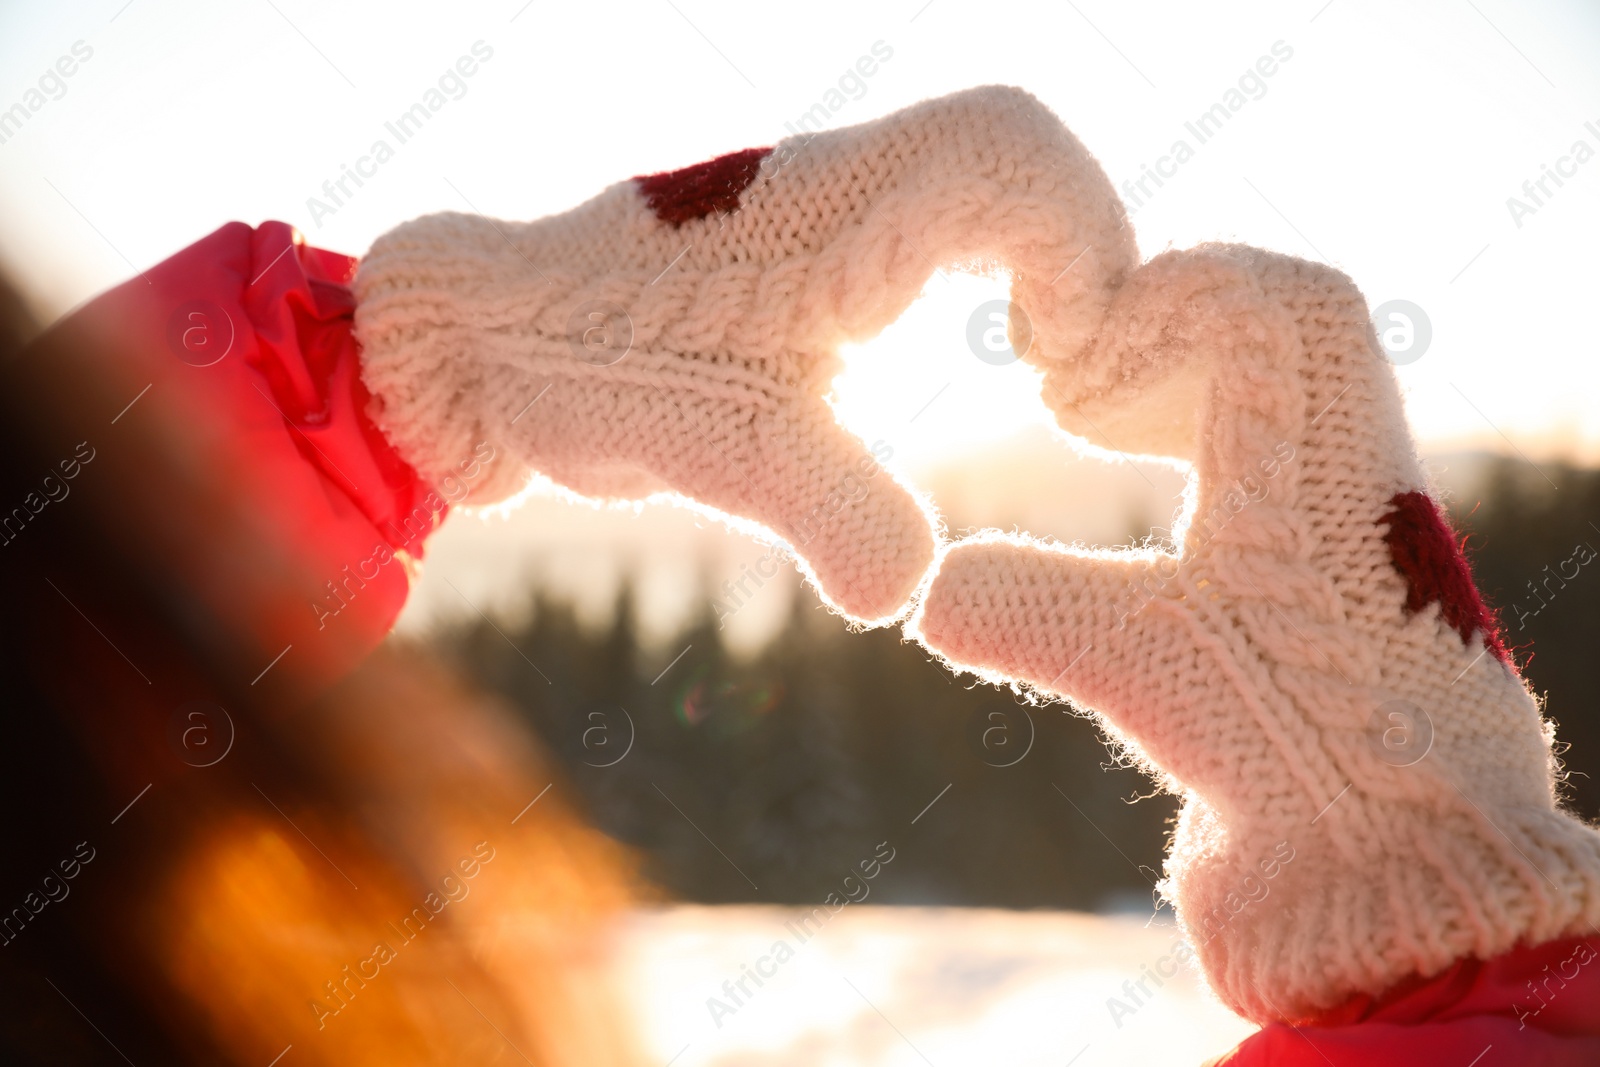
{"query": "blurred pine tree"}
pixel 1524 531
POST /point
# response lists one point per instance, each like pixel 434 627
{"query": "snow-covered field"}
pixel 909 987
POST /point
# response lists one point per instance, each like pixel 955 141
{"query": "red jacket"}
pixel 249 332
pixel 1533 1007
pixel 244 341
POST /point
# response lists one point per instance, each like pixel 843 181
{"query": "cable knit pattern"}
pixel 1256 669
pixel 736 318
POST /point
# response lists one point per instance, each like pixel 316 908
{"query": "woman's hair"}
pixel 205 864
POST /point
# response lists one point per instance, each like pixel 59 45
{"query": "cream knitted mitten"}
pixel 686 325
pixel 1369 787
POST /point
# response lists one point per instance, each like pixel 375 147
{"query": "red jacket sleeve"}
pixel 245 340
pixel 1532 1006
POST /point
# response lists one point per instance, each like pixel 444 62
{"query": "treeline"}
pixel 772 779
pixel 1533 537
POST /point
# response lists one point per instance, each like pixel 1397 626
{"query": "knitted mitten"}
pixel 680 331
pixel 1369 788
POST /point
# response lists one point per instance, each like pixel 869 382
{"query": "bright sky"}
pixel 1387 143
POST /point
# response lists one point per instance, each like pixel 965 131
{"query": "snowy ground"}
pixel 910 987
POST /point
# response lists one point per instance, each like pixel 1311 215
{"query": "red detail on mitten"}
pixel 1425 550
pixel 676 196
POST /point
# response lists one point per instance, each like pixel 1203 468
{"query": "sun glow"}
pixel 920 387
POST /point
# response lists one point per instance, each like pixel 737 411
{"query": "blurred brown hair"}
pixel 229 911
